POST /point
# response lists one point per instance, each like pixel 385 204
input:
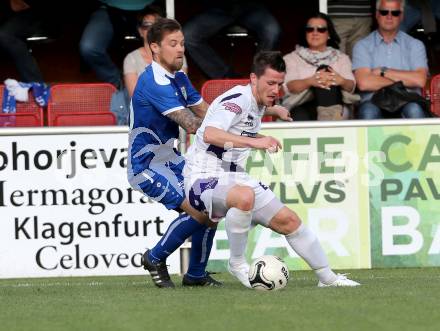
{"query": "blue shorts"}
pixel 165 186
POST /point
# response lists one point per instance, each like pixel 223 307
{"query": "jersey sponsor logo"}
pixel 230 97
pixel 232 107
pixel 183 89
pixel 249 121
pixel 248 134
pixel 178 83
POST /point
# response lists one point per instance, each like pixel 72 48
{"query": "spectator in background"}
pixel 26 18
pixel 352 20
pixel 251 15
pixel 317 73
pixel 112 18
pixel 136 61
pixel 425 11
pixel 386 56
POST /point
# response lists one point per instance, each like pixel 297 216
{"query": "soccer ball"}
pixel 268 273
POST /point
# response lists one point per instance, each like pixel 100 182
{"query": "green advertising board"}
pixel 370 194
pixel 404 204
pixel 318 176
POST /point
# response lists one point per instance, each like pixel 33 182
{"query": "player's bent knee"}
pixel 285 222
pixel 241 197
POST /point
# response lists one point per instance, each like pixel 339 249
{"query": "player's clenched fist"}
pixel 268 143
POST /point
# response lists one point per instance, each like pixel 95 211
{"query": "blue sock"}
pixel 178 231
pixel 201 245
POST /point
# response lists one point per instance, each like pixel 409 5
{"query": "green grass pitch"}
pixel 391 299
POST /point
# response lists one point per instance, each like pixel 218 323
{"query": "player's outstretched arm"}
pixel 221 138
pixel 186 119
pixel 281 112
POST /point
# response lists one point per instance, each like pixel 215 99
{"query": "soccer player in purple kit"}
pixel 216 180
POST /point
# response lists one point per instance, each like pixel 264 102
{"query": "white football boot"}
pixel 341 281
pixel 241 272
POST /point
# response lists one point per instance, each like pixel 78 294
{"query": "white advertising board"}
pixel 66 208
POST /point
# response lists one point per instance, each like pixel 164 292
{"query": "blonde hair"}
pixel 401 2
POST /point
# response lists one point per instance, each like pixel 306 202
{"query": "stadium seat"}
pixel 435 95
pixel 27 114
pixel 211 89
pixel 80 104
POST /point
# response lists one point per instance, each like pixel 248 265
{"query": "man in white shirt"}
pixel 216 182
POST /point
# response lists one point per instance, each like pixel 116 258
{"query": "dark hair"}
pixel 334 38
pixel 157 31
pixel 268 59
pixel 149 10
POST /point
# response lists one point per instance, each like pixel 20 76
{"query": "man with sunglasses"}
pixel 387 56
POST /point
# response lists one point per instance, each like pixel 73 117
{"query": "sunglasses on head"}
pixel 320 29
pixel 385 12
pixel 145 25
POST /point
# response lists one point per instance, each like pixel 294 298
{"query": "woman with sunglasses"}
pixel 136 61
pixel 317 73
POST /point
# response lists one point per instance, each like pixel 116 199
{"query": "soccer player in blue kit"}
pixel 162 100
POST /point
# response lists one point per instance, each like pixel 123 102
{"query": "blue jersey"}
pixel 157 94
pixel 154 165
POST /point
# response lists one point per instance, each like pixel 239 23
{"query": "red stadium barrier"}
pixel 80 104
pixel 211 89
pixel 27 114
pixel 435 95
